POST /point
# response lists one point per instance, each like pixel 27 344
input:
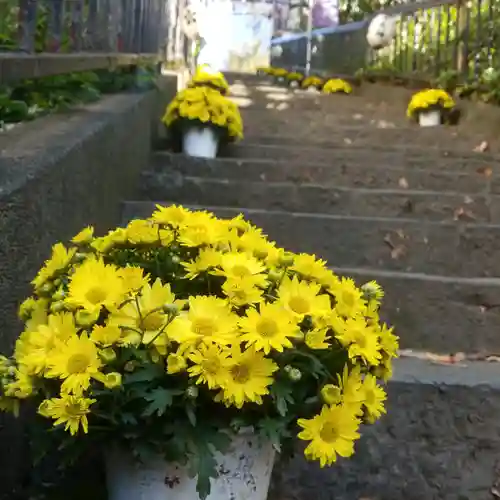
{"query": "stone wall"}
pixel 57 175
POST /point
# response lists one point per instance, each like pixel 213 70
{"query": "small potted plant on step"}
pixel 204 118
pixel 204 77
pixel 280 75
pixel 430 107
pixel 189 349
pixel 312 83
pixel 294 79
pixel 337 85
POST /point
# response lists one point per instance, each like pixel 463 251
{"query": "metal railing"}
pixel 47 37
pixel 434 37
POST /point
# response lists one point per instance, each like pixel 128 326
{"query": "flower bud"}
pixel 108 355
pixel 274 276
pixel 112 380
pixel 286 260
pixel 46 288
pixel 130 366
pixel 372 291
pixel 84 318
pixel 80 257
pixel 175 259
pixel 170 309
pixel 59 295
pixel 261 253
pixel 57 307
pixel 294 374
pixel 192 392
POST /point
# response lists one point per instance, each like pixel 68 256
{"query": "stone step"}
pixel 417 158
pixel 440 440
pixel 448 249
pixel 164 164
pixel 431 311
pixel 317 198
pixel 411 140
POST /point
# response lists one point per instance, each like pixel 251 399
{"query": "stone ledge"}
pixel 57 175
pixel 438 441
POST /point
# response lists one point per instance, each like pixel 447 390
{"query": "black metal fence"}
pixel 44 37
pixel 436 37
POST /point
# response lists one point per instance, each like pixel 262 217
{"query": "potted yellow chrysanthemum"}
pixel 205 77
pixel 336 85
pixel 279 75
pixel 312 83
pixel 190 349
pixel 204 118
pixel 294 79
pixel 430 107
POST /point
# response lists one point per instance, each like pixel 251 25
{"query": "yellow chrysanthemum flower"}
pixel 303 298
pixel 85 236
pixel 58 262
pixel 349 301
pixel 361 340
pixel 76 362
pixel 270 327
pixel 174 215
pixel 374 397
pixel 207 259
pixel 335 85
pixel 309 267
pixel 68 410
pixel 176 363
pixel 210 365
pixel 242 291
pixel 35 349
pixel 332 433
pixel 209 320
pixel 146 314
pixel 95 285
pixel 241 265
pixel 249 377
pixel 134 278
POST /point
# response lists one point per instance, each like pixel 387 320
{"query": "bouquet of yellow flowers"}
pixel 429 100
pixel 264 70
pixel 202 106
pixel 335 85
pixel 174 332
pixel 203 77
pixel 312 82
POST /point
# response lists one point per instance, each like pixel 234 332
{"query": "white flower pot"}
pixel 200 141
pixel 280 80
pixel 429 118
pixel 244 474
pixel 294 84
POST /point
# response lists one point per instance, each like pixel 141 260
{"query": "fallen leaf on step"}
pixel 397 250
pixel 481 148
pixel 401 234
pixel 486 171
pixel 462 214
pixel 468 200
pixel 385 124
pixel 495 492
pixel 357 116
pixel 403 183
pixel 347 140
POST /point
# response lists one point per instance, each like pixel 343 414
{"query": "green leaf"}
pixel 147 374
pixel 204 466
pixel 191 415
pixel 160 399
pixel 282 395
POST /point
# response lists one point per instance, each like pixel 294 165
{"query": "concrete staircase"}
pixel 347 178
